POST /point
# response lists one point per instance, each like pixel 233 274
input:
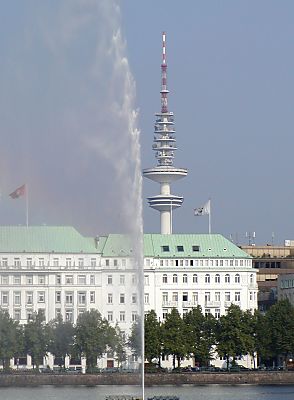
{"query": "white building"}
pixel 59 271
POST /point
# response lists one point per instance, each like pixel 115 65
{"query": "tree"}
pixel 91 336
pixel 61 340
pixel 174 338
pixel 280 319
pixel 135 338
pixel 153 337
pixel 232 340
pixel 117 343
pixel 36 338
pixel 10 338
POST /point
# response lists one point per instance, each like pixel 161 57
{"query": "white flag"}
pixel 205 210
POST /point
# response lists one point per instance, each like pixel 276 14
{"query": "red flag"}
pixel 21 191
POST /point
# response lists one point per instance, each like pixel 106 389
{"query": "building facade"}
pixel 61 272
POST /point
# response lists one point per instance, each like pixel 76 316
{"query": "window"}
pixel 250 296
pixel 217 296
pixel 109 279
pixel 185 278
pixel 4 298
pixel 165 248
pixel 123 262
pixel 195 248
pixel 195 278
pixel 41 297
pixel 68 279
pixel 29 298
pixel 69 297
pixel 81 298
pixel 80 262
pixel 68 262
pixel 237 278
pixel 29 315
pixel 217 313
pixel 181 263
pixel 58 279
pixel 5 279
pixel 16 298
pixel 251 278
pixel 115 263
pixel 207 297
pixel 122 316
pixel 57 297
pixel 134 316
pixel 164 314
pixel 206 312
pixel 146 298
pixel 236 263
pixel 217 278
pixel 57 312
pixel 109 298
pixel 92 279
pixel 122 298
pixel 107 263
pixel 161 263
pixel 185 296
pixel 93 262
pixel 146 280
pixel 134 298
pixel 180 248
pixel 164 278
pixel 195 298
pixel 121 279
pixel 110 316
pixel 17 262
pixel 41 262
pixel 16 315
pixel 30 262
pixel 55 262
pixel 147 262
pixel 164 297
pixel 231 263
pixel 16 279
pixel 81 279
pixel 237 296
pixel 5 262
pixel 175 296
pixel 92 297
pixel 69 315
pixel 175 278
pixel 227 296
pixel 134 280
pixel 221 263
pixel 207 278
pixel 227 278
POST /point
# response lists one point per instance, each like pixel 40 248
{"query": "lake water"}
pixel 185 392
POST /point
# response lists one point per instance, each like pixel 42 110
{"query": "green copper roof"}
pixel 37 239
pixel 175 246
pixel 64 239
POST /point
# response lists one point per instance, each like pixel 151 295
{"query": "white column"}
pixel 165 222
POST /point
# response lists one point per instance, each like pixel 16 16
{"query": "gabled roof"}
pixel 47 239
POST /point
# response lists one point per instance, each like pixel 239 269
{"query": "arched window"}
pixel 164 278
pixel 207 278
pixel 195 278
pixel 227 278
pixel 175 278
pixel 217 278
pixel 185 278
pixel 237 278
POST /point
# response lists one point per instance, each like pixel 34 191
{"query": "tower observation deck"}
pixel 164 145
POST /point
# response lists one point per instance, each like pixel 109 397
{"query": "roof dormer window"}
pixel 165 248
pixel 180 248
pixel 196 248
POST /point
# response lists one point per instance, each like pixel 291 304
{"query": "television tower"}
pixel 164 146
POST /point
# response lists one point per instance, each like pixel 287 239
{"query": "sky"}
pixel 67 85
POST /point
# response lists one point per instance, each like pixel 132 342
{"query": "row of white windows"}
pixel 39 297
pixel 207 278
pixel 18 279
pixel 122 298
pixel 287 283
pixel 208 296
pixel 207 311
pixel 202 263
pixel 56 262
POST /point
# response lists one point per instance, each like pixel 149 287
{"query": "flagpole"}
pixel 171 217
pixel 209 219
pixel 27 206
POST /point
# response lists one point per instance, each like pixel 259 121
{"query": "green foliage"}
pixel 10 338
pixel 135 338
pixel 61 337
pixel 153 337
pixel 174 336
pixel 91 336
pixel 36 338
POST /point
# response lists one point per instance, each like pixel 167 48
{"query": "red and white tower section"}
pixel 165 146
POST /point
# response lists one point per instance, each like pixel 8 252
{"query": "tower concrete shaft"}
pixel 164 145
